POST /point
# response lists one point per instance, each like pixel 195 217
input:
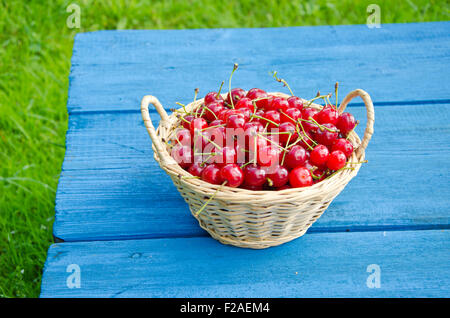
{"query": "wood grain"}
pixel 398 63
pixel 411 263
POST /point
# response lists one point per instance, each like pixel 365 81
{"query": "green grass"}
pixel 35 51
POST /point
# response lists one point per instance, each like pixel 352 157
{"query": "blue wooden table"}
pixel 122 229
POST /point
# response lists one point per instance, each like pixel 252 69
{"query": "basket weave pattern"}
pixel 246 218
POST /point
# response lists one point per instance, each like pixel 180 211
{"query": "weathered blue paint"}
pixel 396 63
pixel 411 263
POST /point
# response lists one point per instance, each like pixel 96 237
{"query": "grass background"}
pixel 35 52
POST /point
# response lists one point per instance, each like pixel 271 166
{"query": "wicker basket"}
pixel 246 218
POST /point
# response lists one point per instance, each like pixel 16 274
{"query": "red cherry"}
pixel 225 155
pixel 211 174
pixel 268 156
pixel 343 145
pixel 308 113
pixel 336 160
pixel 212 97
pixel 296 157
pixel 327 135
pixel 300 177
pixel 184 137
pixel 198 123
pixel 212 110
pixel 318 175
pixel 187 121
pixel 237 94
pixel 196 169
pixel 346 123
pixel 247 112
pixel 328 115
pixel 306 140
pixel 256 93
pixel 254 176
pixel 182 155
pixel 232 174
pixel 291 115
pixel 319 155
pixel 279 176
pixel 295 102
pixel 279 103
pixel 273 118
pixel 287 128
pixel 245 102
pixel 236 121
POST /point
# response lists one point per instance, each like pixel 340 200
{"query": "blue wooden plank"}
pixel 410 264
pixel 111 187
pixel 112 70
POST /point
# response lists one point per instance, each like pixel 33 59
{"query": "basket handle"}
pixel 160 149
pixel 370 116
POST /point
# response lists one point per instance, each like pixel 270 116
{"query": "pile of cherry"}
pixel 258 141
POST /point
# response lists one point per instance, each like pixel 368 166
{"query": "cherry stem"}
pixel 210 199
pixel 301 137
pixel 268 120
pixel 220 88
pixel 348 135
pixel 206 107
pixel 317 97
pixel 195 94
pixel 181 117
pixel 269 181
pixel 184 107
pixel 271 141
pixel 282 81
pixel 229 84
pixel 314 176
pixel 287 144
pixel 197 131
pixel 336 86
pixel 210 127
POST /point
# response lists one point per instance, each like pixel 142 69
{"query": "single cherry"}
pixel 198 124
pixel 211 174
pixel 346 123
pixel 327 135
pixel 336 160
pixel 319 155
pixel 212 97
pixel 287 133
pixel 212 110
pixel 295 102
pixel 291 115
pixel 343 145
pixel 187 121
pixel 196 169
pixel 300 177
pixel 273 118
pixel 232 174
pixel 182 155
pixel 296 157
pixel 254 176
pixel 237 94
pixel 328 115
pixel 278 177
pixel 183 136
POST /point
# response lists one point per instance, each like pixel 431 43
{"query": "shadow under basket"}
pixel 246 218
